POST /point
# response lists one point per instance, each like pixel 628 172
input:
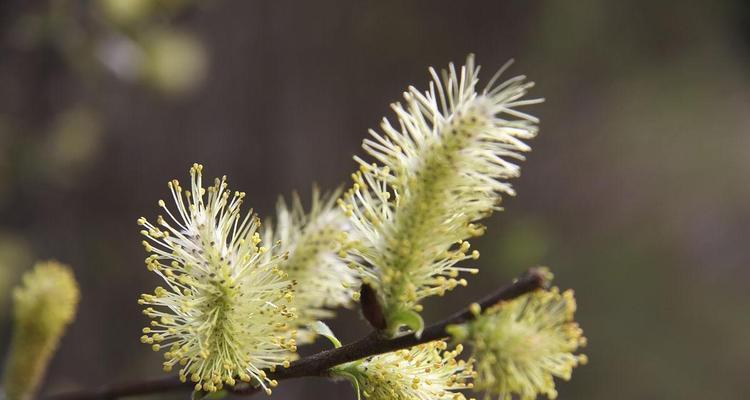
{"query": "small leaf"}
pixel 357 388
pixel 197 395
pixel 203 395
pixel 348 371
pixel 409 318
pixel 322 329
pixel 216 395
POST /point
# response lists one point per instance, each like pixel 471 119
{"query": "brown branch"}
pixel 318 364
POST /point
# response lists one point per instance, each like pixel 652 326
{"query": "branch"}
pixel 318 364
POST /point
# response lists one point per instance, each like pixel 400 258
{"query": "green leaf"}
pixel 217 395
pixel 350 376
pixel 322 329
pixel 202 395
pixel 409 318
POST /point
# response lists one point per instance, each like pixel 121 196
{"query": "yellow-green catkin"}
pixel 432 176
pixel 425 372
pixel 225 312
pixel 311 242
pixel 521 345
pixel 44 305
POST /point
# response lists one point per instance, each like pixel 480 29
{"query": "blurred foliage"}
pixel 72 144
pixel 524 242
pixel 132 39
pixel 175 62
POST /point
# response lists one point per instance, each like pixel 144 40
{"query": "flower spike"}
pixel 441 168
pixel 226 308
pixel 312 242
pixel 43 307
pixel 520 345
pixel 424 372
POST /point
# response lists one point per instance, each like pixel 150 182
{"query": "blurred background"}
pixel 636 194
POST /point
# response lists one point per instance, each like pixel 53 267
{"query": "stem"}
pixel 318 364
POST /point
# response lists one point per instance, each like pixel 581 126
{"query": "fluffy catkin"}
pixel 43 306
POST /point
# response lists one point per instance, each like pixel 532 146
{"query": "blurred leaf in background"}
pixel 175 62
pixel 72 145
